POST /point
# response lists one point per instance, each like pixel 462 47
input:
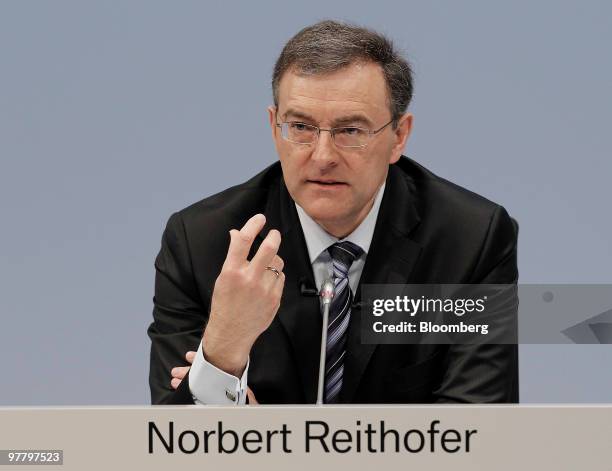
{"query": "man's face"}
pixel 336 186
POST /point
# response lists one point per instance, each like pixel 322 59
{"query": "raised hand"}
pixel 245 299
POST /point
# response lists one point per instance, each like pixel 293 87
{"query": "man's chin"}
pixel 325 215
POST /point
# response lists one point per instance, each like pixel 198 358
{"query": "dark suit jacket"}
pixel 428 231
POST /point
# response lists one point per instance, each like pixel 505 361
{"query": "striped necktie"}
pixel 343 255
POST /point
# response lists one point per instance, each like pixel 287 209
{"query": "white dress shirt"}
pixel 210 385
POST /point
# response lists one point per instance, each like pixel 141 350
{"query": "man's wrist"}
pixel 227 357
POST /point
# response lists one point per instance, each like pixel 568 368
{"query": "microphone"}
pixel 327 292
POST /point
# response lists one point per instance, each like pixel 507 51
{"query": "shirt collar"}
pixel 317 240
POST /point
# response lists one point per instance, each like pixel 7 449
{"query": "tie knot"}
pixel 345 253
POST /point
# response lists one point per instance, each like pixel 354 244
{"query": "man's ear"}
pixel 272 120
pixel 402 133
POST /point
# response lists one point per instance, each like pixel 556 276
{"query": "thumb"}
pixel 251 396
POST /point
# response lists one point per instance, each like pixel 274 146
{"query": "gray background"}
pixel 115 114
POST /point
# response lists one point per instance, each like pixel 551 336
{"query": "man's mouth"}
pixel 326 182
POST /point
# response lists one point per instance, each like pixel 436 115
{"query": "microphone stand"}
pixel 326 294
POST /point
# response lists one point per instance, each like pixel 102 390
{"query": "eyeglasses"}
pixel 305 134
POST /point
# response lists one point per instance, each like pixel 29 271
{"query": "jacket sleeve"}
pixel 179 315
pixel 488 372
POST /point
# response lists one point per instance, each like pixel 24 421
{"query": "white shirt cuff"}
pixel 210 385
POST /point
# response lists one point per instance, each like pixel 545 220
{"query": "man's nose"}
pixel 324 152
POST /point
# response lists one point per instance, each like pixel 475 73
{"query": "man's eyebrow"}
pixel 342 121
pixel 352 119
pixel 298 115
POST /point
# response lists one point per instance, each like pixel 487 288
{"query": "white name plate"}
pixel 307 437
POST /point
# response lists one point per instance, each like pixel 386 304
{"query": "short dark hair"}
pixel 329 46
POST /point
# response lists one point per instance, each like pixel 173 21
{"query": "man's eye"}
pixel 300 127
pixel 350 131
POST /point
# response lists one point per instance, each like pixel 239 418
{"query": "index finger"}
pixel 241 241
pixel 189 356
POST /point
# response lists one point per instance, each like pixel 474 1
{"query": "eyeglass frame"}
pixel 332 133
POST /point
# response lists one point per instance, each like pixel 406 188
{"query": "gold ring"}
pixel 274 270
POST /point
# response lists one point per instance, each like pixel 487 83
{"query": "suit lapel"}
pixel 298 314
pixel 391 260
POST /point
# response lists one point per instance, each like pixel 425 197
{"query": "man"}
pixel 237 273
